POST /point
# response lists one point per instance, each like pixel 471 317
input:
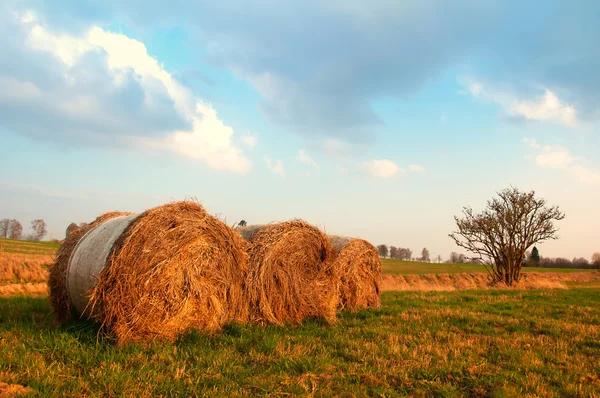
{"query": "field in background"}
pixel 28 247
pixel 463 343
pixel 392 267
pixel 401 267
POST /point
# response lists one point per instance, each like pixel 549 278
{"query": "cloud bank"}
pixel 102 88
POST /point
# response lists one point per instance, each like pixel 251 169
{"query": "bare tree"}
pixel 4 224
pixel 596 260
pixel 15 230
pixel 406 253
pixel 72 227
pixel 453 258
pixel 39 229
pixel 383 250
pixel 439 258
pixel 393 252
pixel 242 223
pixel 500 235
pixel 425 255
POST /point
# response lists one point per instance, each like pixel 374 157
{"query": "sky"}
pixel 379 119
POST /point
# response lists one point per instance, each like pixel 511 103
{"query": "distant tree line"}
pixel 533 258
pixel 13 229
pixel 403 253
pixel 459 258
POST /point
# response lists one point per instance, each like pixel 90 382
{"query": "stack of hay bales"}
pixel 158 274
pixel 174 268
pixel 292 275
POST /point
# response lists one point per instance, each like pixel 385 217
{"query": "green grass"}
pixel 28 247
pixel 466 343
pixel 401 267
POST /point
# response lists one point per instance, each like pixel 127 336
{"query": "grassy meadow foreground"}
pixel 537 342
pixel 464 343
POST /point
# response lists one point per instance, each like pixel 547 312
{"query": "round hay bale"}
pixel 174 268
pixel 292 274
pixel 360 275
pixel 57 278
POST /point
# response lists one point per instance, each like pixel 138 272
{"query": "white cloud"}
pixel 554 156
pixel 303 157
pixel 113 92
pixel 382 168
pixel 415 168
pixel 342 170
pixel 558 157
pixel 209 141
pixel 249 140
pixel 547 107
pixel 275 166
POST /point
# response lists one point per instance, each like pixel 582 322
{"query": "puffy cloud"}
pixel 554 157
pixel 102 88
pixel 546 107
pixel 275 166
pixel 382 168
pixel 558 157
pixel 323 80
pixel 303 157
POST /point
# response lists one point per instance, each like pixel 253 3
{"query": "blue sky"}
pixel 374 119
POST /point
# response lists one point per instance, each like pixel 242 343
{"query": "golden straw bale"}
pixel 291 274
pixel 360 275
pixel 173 269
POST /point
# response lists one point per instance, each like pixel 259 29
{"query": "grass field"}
pixel 29 247
pixel 400 267
pixel 466 343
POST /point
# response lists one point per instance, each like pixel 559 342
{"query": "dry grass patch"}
pixel 481 281
pixel 17 268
